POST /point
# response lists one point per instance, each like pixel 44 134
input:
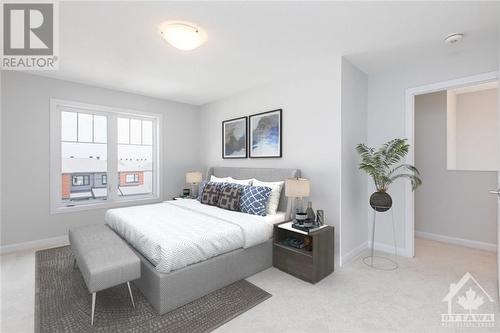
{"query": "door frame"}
pixel 409 195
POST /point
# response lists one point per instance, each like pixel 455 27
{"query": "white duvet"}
pixel 175 234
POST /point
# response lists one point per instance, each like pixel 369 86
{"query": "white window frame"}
pixel 113 199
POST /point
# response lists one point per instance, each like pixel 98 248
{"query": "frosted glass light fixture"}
pixel 182 35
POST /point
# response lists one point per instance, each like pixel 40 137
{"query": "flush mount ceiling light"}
pixel 182 35
pixel 454 38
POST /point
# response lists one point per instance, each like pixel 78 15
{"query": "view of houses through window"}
pixel 135 156
pixel 84 153
pixel 84 156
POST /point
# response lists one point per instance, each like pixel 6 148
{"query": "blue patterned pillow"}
pixel 254 199
pixel 201 187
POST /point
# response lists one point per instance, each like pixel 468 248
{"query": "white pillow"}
pixel 219 180
pixel 274 198
pixel 240 181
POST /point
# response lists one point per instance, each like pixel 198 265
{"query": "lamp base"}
pixel 194 191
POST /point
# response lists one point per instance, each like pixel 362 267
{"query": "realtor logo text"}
pixel 30 36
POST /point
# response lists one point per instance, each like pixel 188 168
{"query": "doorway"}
pixel 411 94
pixel 456 152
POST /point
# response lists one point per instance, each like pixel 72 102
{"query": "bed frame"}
pixel 168 291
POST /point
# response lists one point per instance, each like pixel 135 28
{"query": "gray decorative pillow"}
pixel 210 195
pixel 230 198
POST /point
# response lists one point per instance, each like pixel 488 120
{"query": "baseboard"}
pixel 354 253
pixel 458 241
pixel 401 251
pixel 35 245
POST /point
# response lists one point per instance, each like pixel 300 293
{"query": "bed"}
pixel 188 250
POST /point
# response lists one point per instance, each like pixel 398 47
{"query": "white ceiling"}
pixel 116 44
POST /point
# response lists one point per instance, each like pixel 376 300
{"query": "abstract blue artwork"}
pixel 234 138
pixel 266 134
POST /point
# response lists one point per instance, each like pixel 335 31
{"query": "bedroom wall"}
pixel 354 185
pixel 450 203
pixel 386 113
pixel 25 151
pixel 310 99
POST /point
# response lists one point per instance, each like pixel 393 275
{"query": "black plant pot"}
pixel 381 201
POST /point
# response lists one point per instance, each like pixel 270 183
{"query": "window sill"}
pixel 78 207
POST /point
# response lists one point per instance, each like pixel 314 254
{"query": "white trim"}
pixel 35 245
pixel 56 105
pixel 108 204
pixel 458 241
pixel 409 197
pixel 344 259
pixel 382 247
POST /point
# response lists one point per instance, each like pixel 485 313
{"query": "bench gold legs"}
pixel 93 302
pixel 93 308
pixel 130 292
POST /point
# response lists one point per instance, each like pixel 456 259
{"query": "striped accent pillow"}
pixel 230 198
pixel 210 195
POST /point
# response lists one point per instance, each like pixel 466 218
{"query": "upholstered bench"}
pixel 104 259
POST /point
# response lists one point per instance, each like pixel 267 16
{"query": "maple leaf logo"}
pixel 470 301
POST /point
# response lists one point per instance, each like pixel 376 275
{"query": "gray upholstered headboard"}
pixel 263 174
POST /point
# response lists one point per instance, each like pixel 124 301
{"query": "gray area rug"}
pixel 62 303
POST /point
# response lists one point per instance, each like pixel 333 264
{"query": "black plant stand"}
pixel 392 264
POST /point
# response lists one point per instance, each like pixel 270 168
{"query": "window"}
pixel 90 143
pixel 132 178
pixel 81 180
pixel 135 156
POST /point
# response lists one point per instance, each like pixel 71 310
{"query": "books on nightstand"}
pixel 294 242
pixel 301 229
pixel 307 229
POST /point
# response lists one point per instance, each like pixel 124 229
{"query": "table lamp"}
pixel 297 188
pixel 194 178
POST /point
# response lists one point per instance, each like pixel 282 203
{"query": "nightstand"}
pixel 311 263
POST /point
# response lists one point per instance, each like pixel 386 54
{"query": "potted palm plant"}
pixel 384 166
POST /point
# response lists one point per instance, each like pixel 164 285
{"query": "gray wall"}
pixel 450 202
pixel 311 131
pixel 387 119
pixel 354 201
pixel 25 150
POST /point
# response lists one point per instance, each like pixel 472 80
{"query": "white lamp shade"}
pixel 297 187
pixel 193 177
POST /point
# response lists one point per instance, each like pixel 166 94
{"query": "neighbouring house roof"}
pixel 74 165
pixel 101 192
pixel 135 189
pixel 80 195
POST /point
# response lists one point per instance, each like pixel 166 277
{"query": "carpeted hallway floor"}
pixel 353 299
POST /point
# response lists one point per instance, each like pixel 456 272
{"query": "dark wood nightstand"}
pixel 311 263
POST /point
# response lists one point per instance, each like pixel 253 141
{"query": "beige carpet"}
pixel 353 299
